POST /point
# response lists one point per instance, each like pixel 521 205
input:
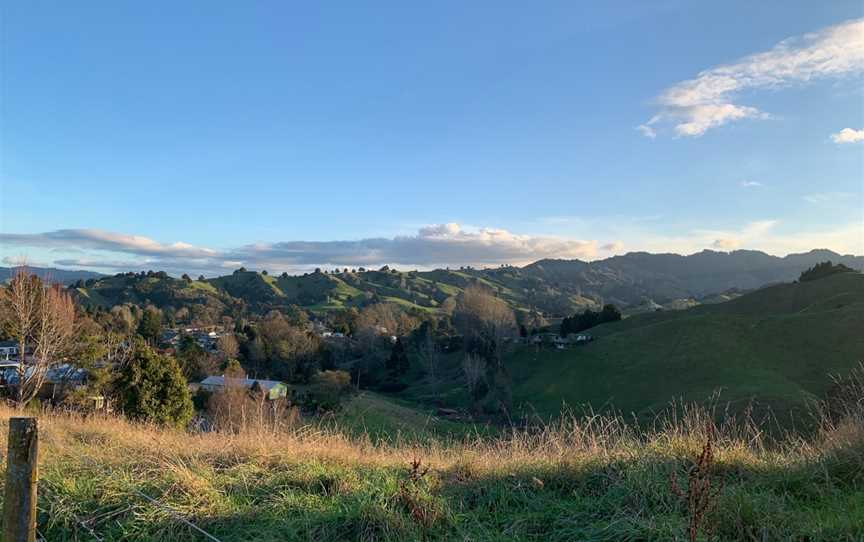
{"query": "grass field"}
pixel 387 419
pixel 778 345
pixel 582 479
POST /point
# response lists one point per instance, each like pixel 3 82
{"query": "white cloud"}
pixel 647 131
pixel 821 198
pixel 105 240
pixel 848 135
pixel 726 244
pixel 697 105
pixel 750 184
pixel 440 244
pixel 726 240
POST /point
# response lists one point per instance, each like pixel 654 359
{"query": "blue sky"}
pixel 286 135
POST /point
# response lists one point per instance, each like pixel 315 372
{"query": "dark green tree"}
pixel 194 362
pixel 822 270
pixel 150 326
pixel 610 313
pixel 151 388
pixel 398 362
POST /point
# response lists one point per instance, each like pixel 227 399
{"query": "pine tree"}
pixel 150 326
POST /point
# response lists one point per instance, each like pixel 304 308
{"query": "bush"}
pixel 151 388
pixel 589 319
pixel 328 388
pixel 822 270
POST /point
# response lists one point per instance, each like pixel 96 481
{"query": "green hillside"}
pixel 557 288
pixel 157 289
pixel 776 345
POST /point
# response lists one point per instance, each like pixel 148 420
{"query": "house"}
pixel 583 338
pixel 58 380
pixel 272 389
pixel 170 336
pixel 8 350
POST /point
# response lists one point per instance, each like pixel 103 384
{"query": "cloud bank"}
pixel 707 101
pixel 431 246
pixel 439 245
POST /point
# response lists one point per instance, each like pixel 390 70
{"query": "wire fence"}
pixel 91 524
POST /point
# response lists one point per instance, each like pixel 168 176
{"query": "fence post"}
pixel 19 504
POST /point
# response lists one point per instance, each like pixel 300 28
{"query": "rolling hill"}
pixel 555 287
pixel 777 345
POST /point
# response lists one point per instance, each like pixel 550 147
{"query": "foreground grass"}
pixel 583 479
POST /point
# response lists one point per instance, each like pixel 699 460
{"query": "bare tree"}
pixel 430 356
pixel 122 319
pixel 227 344
pixel 479 315
pixel 42 317
pixel 389 316
pixel 229 407
pixel 474 369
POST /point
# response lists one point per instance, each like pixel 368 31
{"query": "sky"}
pixel 203 136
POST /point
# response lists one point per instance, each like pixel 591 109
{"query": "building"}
pixel 272 389
pixel 8 350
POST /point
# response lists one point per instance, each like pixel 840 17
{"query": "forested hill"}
pixel 554 287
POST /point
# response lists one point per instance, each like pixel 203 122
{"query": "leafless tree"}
pixel 474 369
pixel 42 317
pixel 122 318
pixel 117 348
pixel 481 315
pixel 430 356
pixel 228 346
pixel 229 407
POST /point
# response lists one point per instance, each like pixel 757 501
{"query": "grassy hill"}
pixel 637 281
pixel 777 345
pixel 157 289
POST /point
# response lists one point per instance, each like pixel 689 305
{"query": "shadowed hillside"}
pixel 777 345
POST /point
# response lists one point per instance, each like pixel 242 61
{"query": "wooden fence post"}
pixel 19 504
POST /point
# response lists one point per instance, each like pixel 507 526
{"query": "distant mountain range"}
pixel 664 277
pixel 61 276
pixel 555 287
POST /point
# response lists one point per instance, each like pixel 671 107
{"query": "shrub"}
pixel 822 270
pixel 328 388
pixel 151 388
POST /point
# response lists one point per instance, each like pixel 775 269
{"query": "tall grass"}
pixel 587 477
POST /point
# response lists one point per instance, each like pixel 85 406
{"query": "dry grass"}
pixel 590 478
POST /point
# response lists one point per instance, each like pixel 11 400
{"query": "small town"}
pixel 551 271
